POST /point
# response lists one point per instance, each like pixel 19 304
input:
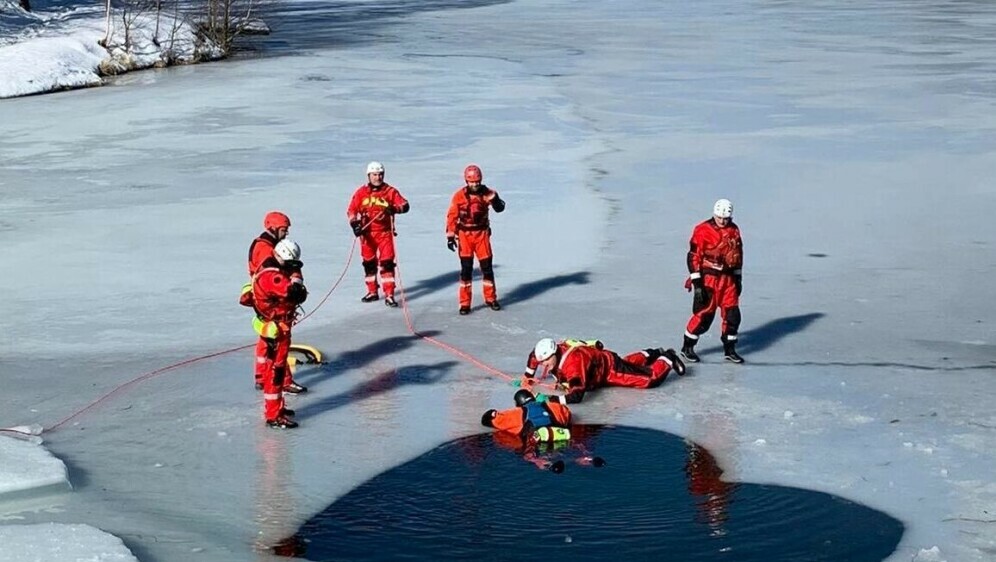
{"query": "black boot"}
pixel 688 350
pixel 676 363
pixel 730 350
pixel 282 422
pixel 294 388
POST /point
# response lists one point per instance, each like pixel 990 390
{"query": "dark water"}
pixel 657 498
pixel 306 24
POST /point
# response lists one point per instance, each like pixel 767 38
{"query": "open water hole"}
pixel 657 497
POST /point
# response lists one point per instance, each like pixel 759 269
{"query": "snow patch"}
pixel 28 468
pixel 53 541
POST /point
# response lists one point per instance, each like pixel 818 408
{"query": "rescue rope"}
pixel 352 251
pixel 185 362
pixel 445 346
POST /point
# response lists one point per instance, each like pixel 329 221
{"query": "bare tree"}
pixel 131 12
pixel 224 21
pixel 108 24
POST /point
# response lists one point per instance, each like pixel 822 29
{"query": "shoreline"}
pixel 70 55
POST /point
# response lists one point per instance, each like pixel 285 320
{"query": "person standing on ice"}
pixel 715 262
pixel 277 292
pixel 468 232
pixel 276 226
pixel 371 216
pixel 580 368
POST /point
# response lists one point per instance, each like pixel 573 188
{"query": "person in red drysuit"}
pixel 276 226
pixel 715 262
pixel 277 292
pixel 584 366
pixel 371 216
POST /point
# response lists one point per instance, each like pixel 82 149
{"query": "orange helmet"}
pixel 275 220
pixel 472 173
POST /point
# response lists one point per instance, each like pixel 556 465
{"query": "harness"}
pixel 473 213
pixel 726 255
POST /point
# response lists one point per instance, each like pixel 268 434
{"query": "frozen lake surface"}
pixel 854 139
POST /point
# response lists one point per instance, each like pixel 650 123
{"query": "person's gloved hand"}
pixel 701 295
pixel 524 382
pixel 357 228
pixel 297 293
pixel 451 243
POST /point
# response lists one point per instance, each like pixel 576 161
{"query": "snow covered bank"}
pixel 46 52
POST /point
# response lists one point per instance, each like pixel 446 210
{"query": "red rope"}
pixel 443 345
pixel 408 321
pixel 185 362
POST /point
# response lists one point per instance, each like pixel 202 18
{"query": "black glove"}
pixel 701 297
pixel 357 228
pixel 738 284
pixel 497 204
pixel 451 243
pixel 297 293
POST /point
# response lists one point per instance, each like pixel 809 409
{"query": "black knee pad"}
pixel 271 349
pixel 732 320
pixel 370 267
pixel 705 321
pixel 279 373
pixel 387 265
pixel 487 269
pixel 466 268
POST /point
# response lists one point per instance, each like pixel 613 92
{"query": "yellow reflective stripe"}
pixel 576 343
pixel 247 288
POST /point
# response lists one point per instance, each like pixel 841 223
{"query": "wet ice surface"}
pixel 657 497
pixel 858 132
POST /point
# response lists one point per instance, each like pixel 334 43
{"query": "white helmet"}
pixel 375 168
pixel 723 209
pixel 545 349
pixel 287 250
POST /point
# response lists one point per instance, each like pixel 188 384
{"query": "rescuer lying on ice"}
pixel 583 365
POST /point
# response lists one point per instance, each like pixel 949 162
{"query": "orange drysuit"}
pixel 469 225
pixel 523 420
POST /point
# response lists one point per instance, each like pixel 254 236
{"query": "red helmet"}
pixel 275 220
pixel 472 173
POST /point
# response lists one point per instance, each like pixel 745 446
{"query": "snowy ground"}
pixel 57 47
pixel 854 140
